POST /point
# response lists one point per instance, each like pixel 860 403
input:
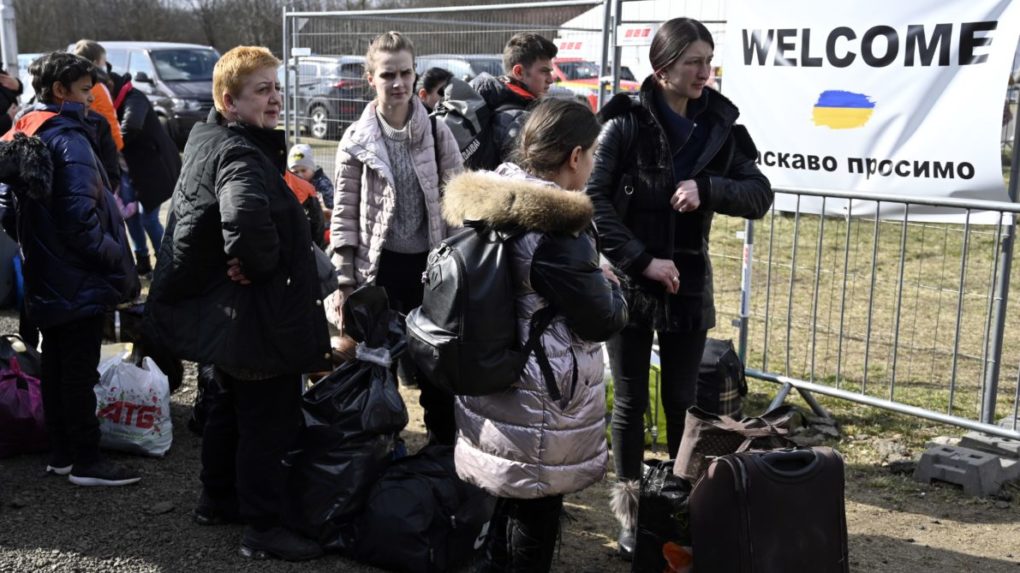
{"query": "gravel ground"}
pixel 47 524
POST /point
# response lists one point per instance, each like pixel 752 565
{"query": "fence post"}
pixel 9 37
pixel 288 111
pixel 607 26
pixel 744 320
pixel 1001 298
pixel 617 19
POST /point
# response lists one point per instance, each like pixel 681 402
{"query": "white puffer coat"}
pixel 522 443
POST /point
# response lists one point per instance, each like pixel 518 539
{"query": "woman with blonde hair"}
pixel 390 168
pixel 235 286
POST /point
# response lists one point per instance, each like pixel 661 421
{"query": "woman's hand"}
pixel 663 271
pixel 234 271
pixel 335 312
pixel 686 197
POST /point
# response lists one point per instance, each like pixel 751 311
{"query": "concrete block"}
pixel 979 473
pixel 991 444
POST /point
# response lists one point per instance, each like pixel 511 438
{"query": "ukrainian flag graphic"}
pixel 842 110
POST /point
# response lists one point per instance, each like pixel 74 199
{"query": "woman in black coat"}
pixel 236 286
pixel 664 166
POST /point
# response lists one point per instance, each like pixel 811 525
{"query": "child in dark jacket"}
pixel 301 162
pixel 77 263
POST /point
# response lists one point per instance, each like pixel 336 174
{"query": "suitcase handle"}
pixel 804 462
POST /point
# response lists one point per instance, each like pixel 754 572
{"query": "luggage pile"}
pixel 741 497
pixel 352 488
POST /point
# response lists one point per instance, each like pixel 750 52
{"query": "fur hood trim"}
pixel 506 202
pixel 27 166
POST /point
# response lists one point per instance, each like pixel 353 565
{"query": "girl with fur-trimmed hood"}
pixel 521 445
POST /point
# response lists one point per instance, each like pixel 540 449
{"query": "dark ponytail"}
pixel 673 39
pixel 555 126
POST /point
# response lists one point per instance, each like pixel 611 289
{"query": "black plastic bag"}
pixel 663 529
pixel 420 517
pixel 352 418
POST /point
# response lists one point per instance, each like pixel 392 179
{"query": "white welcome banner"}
pixel 897 97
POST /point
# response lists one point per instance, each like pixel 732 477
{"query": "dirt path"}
pixel 46 524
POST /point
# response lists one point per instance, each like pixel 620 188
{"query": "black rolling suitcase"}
pixel 778 511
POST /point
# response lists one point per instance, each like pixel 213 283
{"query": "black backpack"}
pixel 469 117
pixel 420 517
pixel 464 334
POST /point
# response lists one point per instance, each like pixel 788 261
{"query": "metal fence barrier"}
pixel 907 316
pixel 324 85
pixel 880 310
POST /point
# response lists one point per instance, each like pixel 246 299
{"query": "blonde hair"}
pixel 234 67
pixel 91 50
pixel 391 42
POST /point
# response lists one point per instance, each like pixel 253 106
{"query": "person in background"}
pixel 153 166
pixel 77 265
pixel 235 285
pixel 103 101
pixel 685 159
pixel 301 162
pixel 387 212
pixel 309 199
pixel 10 89
pixel 431 85
pixel 527 61
pixel 525 446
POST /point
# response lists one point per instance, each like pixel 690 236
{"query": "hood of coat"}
pixel 511 198
pixel 27 166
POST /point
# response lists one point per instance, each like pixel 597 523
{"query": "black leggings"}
pixel 400 275
pixel 522 535
pixel 629 355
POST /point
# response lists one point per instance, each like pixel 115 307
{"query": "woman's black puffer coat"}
pixel 232 202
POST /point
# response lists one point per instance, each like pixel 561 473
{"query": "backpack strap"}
pixel 540 321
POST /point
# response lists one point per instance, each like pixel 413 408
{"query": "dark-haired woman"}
pixel 526 446
pixel 665 165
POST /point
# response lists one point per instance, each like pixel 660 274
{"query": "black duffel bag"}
pixel 420 517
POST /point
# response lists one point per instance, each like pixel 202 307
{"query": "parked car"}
pixel 331 91
pixel 463 67
pixel 26 78
pixel 177 78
